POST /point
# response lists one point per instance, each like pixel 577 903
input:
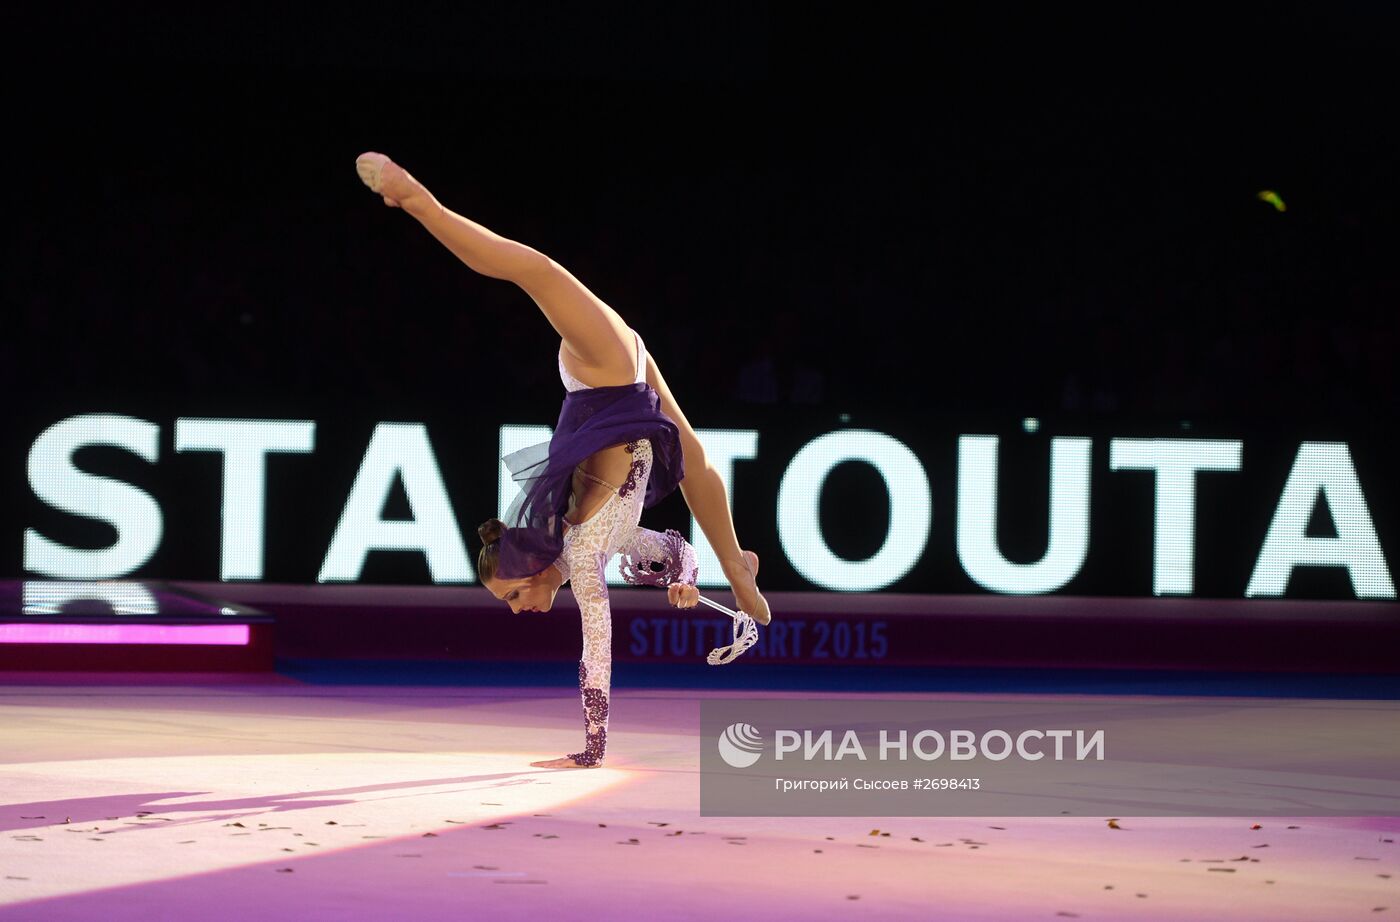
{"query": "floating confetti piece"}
pixel 1113 824
pixel 1270 196
pixel 1256 826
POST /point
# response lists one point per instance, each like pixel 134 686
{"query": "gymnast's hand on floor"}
pixel 682 596
pixel 565 762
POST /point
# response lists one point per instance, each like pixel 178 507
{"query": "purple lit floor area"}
pixel 343 794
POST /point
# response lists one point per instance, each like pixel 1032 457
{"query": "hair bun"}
pixel 490 530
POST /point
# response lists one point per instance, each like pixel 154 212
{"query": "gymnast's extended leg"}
pixel 595 334
pixel 591 330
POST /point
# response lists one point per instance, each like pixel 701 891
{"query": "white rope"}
pixel 745 635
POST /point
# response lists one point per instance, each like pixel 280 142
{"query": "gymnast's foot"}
pixel 743 580
pixel 393 182
pixel 566 762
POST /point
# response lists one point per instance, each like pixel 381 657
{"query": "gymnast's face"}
pixel 529 593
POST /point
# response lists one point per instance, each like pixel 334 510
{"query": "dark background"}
pixel 932 226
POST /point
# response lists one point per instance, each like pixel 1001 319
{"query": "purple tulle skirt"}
pixel 590 420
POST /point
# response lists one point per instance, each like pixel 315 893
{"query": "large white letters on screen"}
pixel 1326 468
pixel 799 521
pixel 47 597
pixel 398 450
pixel 722 448
pixel 57 481
pixel 1176 462
pixel 1068 545
pixel 245 444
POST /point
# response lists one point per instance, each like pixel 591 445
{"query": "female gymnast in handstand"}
pixel 622 443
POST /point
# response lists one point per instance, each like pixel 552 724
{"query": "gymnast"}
pixel 621 444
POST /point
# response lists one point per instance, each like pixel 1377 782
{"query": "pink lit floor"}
pixel 266 798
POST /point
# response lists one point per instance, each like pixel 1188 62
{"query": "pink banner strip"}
pixel 203 634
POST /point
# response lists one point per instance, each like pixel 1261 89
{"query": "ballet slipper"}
pixel 761 613
pixel 370 166
pixel 392 182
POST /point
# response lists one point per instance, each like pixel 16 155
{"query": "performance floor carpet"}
pixel 403 791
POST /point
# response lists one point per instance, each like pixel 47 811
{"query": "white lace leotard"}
pixel 588 546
